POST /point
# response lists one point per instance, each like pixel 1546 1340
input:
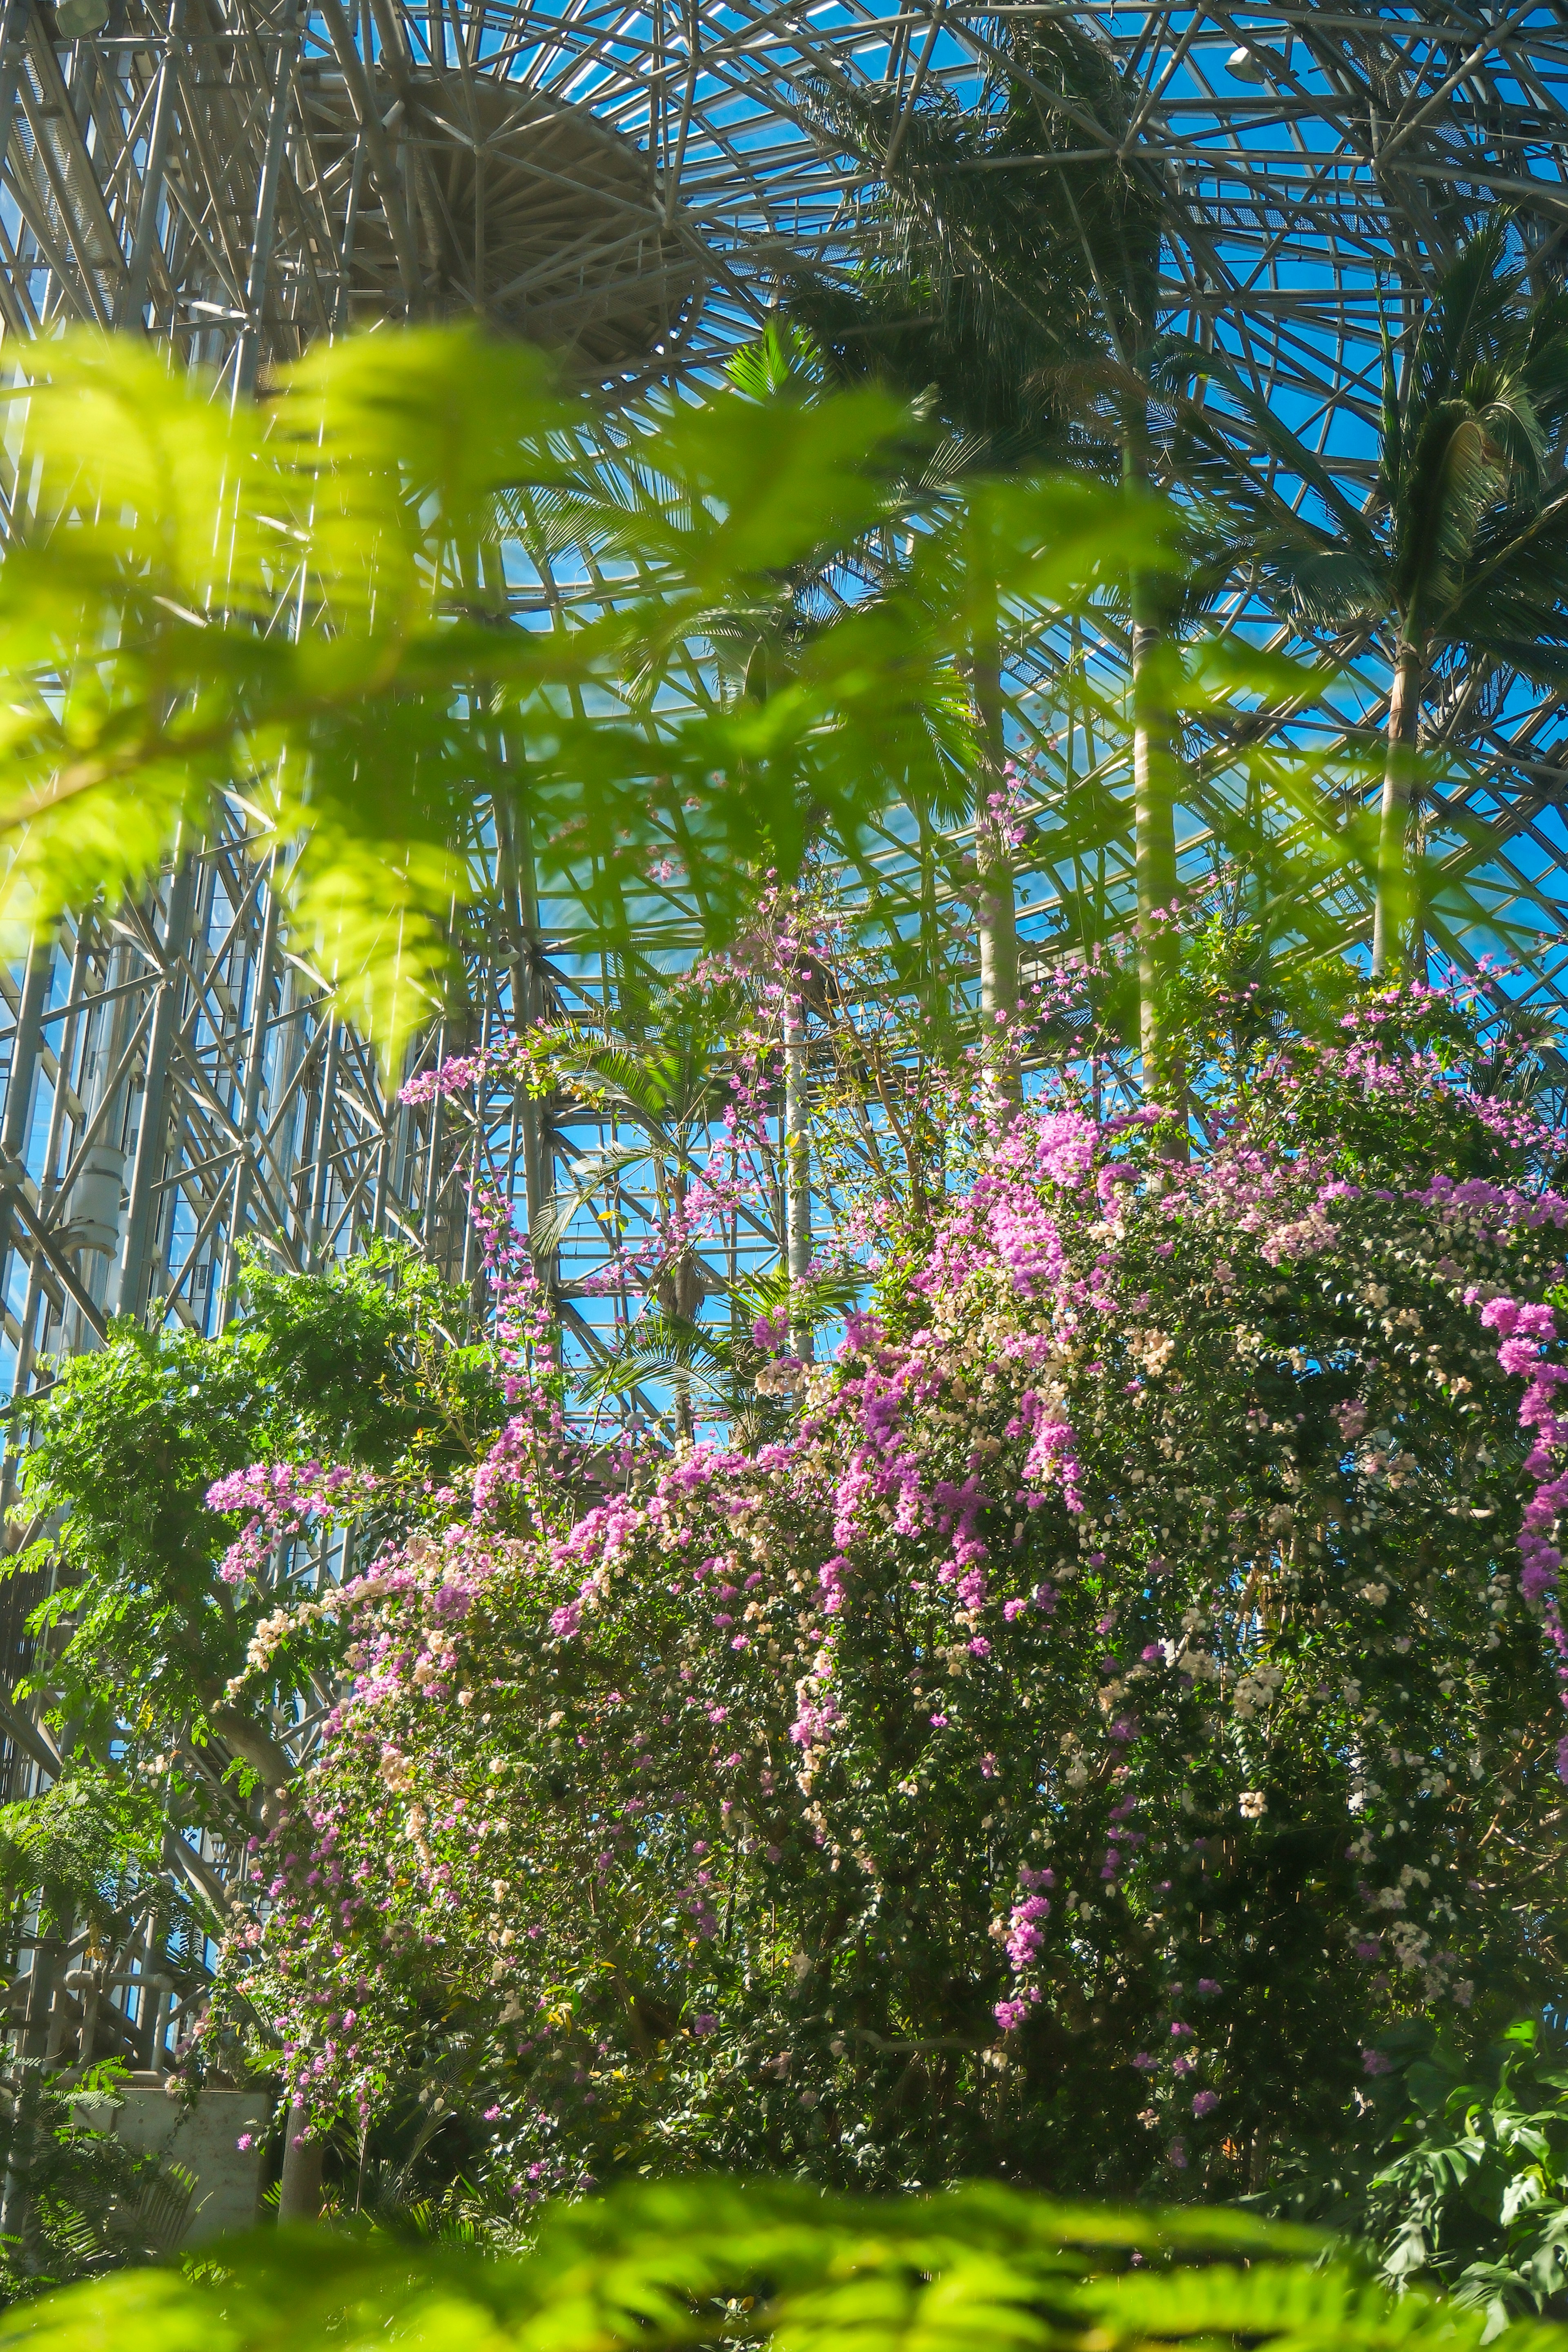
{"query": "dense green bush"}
pixel 1458 2177
pixel 1080 1748
pixel 355 1365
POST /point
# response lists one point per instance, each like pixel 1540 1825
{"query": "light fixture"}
pixel 78 18
pixel 1254 64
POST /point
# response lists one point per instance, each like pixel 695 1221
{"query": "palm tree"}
pixel 1021 297
pixel 1459 559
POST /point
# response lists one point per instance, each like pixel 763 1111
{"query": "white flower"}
pixel 1254 1804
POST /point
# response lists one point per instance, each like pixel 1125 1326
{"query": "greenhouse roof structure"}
pixel 631 186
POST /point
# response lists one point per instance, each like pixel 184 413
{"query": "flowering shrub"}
pixel 1119 1700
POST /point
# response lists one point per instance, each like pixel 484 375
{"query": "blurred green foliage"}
pixel 716 2262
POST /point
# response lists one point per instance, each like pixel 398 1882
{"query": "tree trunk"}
pixel 1153 821
pixel 996 914
pixel 797 1142
pixel 18 2216
pixel 299 2196
pixel 251 1744
pixel 1392 908
pixel 1155 869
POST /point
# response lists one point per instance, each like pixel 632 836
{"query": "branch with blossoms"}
pixel 284 1499
pixel 283 1625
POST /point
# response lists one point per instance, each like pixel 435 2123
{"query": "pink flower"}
pixel 1373 2061
pixel 1204 2103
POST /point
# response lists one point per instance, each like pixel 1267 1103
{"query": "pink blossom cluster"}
pixel 1524 1330
pixel 283 1498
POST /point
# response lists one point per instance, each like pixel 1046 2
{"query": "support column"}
pixel 249 353
pixel 797 1169
pixel 134 293
pixel 320 1175
pixel 152 1134
pixel 300 2195
pixel 13 50
pixel 32 2044
pixel 19 1084
pixel 250 1096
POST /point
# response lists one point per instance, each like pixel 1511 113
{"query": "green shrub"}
pixel 1462 2177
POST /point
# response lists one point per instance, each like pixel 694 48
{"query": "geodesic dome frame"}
pixel 628 186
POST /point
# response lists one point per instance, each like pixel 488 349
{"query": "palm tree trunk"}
pixel 796 1170
pixel 683 1294
pixel 1153 823
pixel 995 912
pixel 1393 908
pixel 1155 869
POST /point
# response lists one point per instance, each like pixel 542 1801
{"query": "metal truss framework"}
pixel 625 181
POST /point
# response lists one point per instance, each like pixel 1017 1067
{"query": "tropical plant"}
pixel 1459 559
pixel 1015 285
pixel 1461 2176
pixel 714 2261
pixel 84 2200
pixel 354 1365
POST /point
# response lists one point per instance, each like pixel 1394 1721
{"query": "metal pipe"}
pixel 152 1134
pixel 797 1155
pixel 249 353
pixel 134 293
